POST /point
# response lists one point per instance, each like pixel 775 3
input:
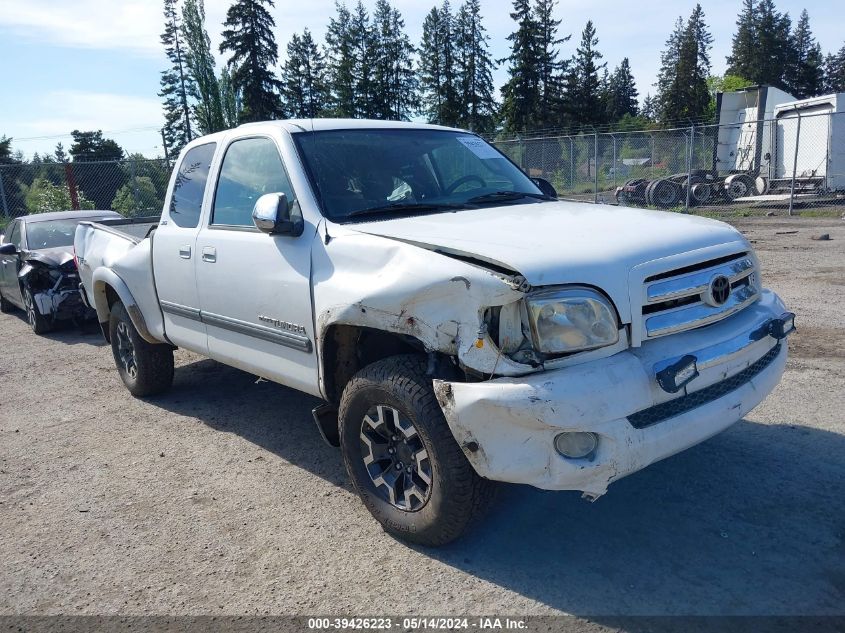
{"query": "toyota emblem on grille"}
pixel 718 291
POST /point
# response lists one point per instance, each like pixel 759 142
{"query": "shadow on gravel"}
pixel 68 332
pixel 269 415
pixel 751 522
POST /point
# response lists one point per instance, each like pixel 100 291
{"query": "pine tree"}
pixel 761 45
pixel 199 60
pixel 393 77
pixel 805 76
pixel 521 93
pixel 249 38
pixel 743 55
pixel 438 96
pixel 6 151
pixel 587 98
pixel 59 154
pixel 362 40
pixel 304 91
pixel 340 62
pixel 683 93
pixel 475 70
pixel 834 72
pixel 550 68
pixel 648 110
pixel 176 85
pixel 621 92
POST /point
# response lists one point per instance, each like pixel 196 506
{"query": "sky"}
pixel 95 64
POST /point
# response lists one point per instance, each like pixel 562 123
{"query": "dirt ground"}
pixel 220 497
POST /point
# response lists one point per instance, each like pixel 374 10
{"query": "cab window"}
pixel 188 190
pixel 251 168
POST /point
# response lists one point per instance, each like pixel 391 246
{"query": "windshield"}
pixel 50 234
pixel 405 171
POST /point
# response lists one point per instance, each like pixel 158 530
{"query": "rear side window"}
pixel 186 201
pixel 251 168
pixel 15 236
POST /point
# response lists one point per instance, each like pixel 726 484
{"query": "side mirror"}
pixel 274 215
pixel 8 249
pixel 545 186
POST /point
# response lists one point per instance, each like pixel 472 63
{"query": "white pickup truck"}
pixel 461 324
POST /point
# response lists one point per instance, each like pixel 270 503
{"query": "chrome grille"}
pixel 678 302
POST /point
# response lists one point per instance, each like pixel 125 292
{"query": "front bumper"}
pixel 507 426
pixel 62 304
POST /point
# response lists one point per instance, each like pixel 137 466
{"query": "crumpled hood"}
pixel 560 242
pixel 51 256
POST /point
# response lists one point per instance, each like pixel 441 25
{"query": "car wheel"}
pixel 402 457
pixel 665 194
pixel 39 323
pixel 145 369
pixel 5 306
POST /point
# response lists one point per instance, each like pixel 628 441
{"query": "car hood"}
pixel 57 256
pixel 553 243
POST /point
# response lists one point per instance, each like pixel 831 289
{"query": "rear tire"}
pixel 39 323
pixel 665 194
pixel 145 369
pixel 394 438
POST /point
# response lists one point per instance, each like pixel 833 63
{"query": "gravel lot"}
pixel 220 497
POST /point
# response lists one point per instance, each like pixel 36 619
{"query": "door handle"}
pixel 209 254
pixel 185 252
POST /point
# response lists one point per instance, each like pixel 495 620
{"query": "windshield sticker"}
pixel 479 147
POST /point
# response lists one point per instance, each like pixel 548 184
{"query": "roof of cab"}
pixel 295 126
pixel 69 215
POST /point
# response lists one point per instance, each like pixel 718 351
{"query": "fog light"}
pixel 576 445
pixel 782 326
pixel 678 375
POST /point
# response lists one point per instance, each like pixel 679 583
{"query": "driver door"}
pixel 10 265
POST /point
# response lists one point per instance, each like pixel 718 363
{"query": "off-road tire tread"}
pixel 155 362
pixel 468 494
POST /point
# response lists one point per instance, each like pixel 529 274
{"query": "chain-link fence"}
pixel 131 187
pixel 793 161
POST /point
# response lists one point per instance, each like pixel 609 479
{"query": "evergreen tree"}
pixel 834 69
pixel 475 70
pixel 199 60
pixel 230 99
pixel 550 68
pixel 744 46
pixel 362 39
pixel 394 80
pixel 586 101
pixel 521 93
pixel 805 76
pixel 437 82
pixel 6 151
pixel 761 45
pixel 97 171
pixel 249 38
pixel 340 61
pixel 176 85
pixel 648 110
pixel 60 155
pixel 304 91
pixel 621 92
pixel 683 92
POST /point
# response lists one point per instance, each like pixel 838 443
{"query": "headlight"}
pixel 571 320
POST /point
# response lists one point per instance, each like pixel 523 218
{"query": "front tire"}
pixel 39 323
pixel 145 369
pixel 402 457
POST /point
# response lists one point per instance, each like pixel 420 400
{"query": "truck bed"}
pixel 135 229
